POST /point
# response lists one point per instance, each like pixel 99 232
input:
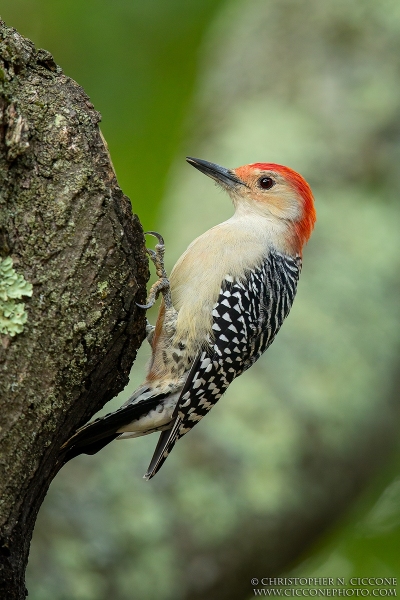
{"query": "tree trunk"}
pixel 72 265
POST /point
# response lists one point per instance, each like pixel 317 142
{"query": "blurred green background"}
pixel 306 441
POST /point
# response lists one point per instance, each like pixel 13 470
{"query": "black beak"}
pixel 220 174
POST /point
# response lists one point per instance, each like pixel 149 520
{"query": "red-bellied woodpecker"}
pixel 226 299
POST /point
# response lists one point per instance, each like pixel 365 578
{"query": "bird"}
pixel 221 308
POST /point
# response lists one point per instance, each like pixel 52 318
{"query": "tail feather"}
pixel 168 438
pixel 89 448
pixel 164 446
pixel 92 437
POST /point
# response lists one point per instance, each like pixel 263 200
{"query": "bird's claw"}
pixel 145 306
pixel 162 285
pixel 156 235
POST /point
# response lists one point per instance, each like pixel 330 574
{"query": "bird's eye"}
pixel 266 183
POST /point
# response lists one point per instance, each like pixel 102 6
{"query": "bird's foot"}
pixel 149 332
pixel 162 285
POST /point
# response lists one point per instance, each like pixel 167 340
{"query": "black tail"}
pixel 68 454
pixel 94 436
pixel 165 444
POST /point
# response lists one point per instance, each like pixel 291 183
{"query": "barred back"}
pixel 246 318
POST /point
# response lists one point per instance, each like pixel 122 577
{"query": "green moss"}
pixel 13 287
pixel 59 120
pixel 103 289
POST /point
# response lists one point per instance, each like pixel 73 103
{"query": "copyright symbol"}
pixel 254 581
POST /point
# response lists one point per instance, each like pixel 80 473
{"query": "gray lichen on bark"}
pixel 70 232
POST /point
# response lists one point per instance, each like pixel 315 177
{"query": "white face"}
pixel 269 192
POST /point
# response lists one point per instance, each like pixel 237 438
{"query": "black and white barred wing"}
pixel 246 319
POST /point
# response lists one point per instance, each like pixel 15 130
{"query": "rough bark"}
pixel 70 232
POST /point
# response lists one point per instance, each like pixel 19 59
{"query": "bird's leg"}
pixel 162 285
